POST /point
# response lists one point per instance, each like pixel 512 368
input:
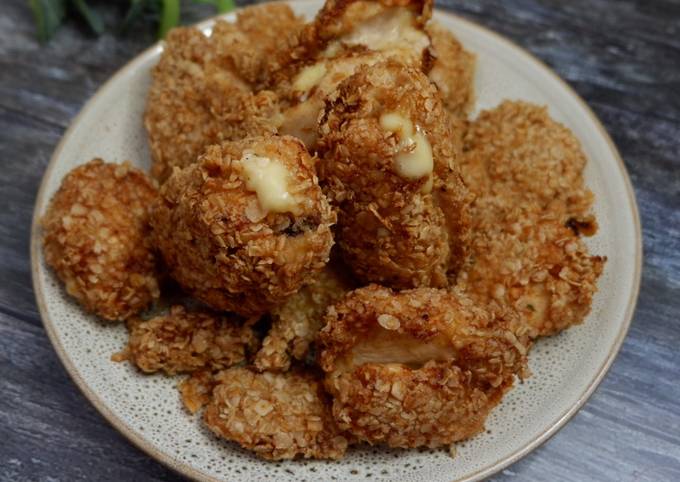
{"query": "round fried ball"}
pixel 96 237
pixel 397 227
pixel 423 367
pixel 221 242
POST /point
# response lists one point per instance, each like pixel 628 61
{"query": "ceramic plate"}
pixel 566 368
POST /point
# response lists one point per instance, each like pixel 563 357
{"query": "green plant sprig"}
pixel 50 14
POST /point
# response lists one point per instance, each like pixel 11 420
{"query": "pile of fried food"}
pixel 327 245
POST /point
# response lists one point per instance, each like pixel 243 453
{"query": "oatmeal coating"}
pixel 202 93
pixel 296 323
pixel 531 208
pixel 196 390
pixel 226 248
pixel 526 258
pixel 96 238
pixel 278 416
pixel 453 70
pixel 402 205
pixel 306 92
pixel 388 26
pixel 518 152
pixel 423 367
pixel 185 341
pixel 251 46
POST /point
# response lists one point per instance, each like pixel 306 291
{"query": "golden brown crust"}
pixel 278 416
pixel 418 368
pixel 453 70
pixel 196 390
pixel 96 237
pixel 223 248
pixel 185 341
pixel 389 229
pixel 526 254
pixel 202 88
pixel 296 323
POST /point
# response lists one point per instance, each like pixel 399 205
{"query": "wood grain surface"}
pixel 622 56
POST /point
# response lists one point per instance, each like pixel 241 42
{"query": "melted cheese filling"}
pixel 414 158
pixel 268 179
pixel 309 77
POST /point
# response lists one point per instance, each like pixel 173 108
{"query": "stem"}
pixel 224 6
pixel 169 17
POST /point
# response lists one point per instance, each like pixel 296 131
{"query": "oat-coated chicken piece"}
pixel 96 238
pixel 206 90
pixel 245 227
pixel 518 152
pixel 278 416
pixel 453 70
pixel 423 367
pixel 393 27
pixel 185 341
pixel 389 165
pixel 352 34
pixel 296 323
pixel 531 207
pixel 251 46
pixel 305 94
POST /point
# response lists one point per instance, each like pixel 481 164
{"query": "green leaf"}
pixel 48 15
pixel 223 6
pixel 169 17
pixel 94 21
pixel 133 13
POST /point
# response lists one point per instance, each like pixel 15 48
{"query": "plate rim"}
pixel 193 473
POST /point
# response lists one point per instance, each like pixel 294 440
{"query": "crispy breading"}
pixel 379 25
pixel 305 98
pixel 344 36
pixel 278 416
pixel 196 390
pixel 250 46
pixel 531 206
pixel 221 245
pixel 453 70
pixel 96 237
pixel 403 232
pixel 296 323
pixel 423 367
pixel 518 152
pixel 185 341
pixel 202 88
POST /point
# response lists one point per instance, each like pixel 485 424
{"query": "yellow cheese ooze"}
pixel 414 159
pixel 268 179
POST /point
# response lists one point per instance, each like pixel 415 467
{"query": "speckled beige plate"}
pixel 566 368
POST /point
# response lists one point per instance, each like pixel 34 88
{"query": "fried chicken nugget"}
pixel 453 70
pixel 422 367
pixel 388 26
pixel 531 207
pixel 202 88
pixel 518 152
pixel 245 227
pixel 353 34
pixel 388 164
pixel 96 238
pixel 278 416
pixel 296 323
pixel 185 341
pixel 270 30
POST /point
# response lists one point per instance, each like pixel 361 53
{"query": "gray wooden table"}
pixel 622 56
